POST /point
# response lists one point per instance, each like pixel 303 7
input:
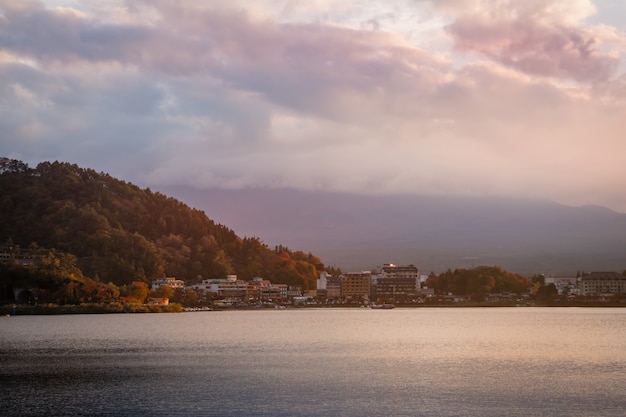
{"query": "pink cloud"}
pixel 301 65
pixel 544 38
pixel 245 99
pixel 534 48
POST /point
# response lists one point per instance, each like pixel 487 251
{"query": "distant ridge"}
pixel 435 232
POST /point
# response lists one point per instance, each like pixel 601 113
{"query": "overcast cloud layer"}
pixel 479 97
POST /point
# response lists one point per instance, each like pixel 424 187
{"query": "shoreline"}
pixel 118 308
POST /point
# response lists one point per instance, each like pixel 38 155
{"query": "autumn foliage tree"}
pixel 56 279
pixel 478 282
pixel 122 234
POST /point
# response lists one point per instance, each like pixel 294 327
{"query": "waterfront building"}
pixel 167 282
pixel 294 291
pixel 333 289
pixel 158 301
pixel 328 288
pixel 395 290
pixel 602 283
pixel 323 280
pixel 284 289
pixel 563 284
pixel 229 288
pixel 395 271
pixel 273 293
pixel 356 286
pixel 392 283
pixel 255 288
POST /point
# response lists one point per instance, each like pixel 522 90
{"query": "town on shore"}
pixel 386 286
pixel 391 285
pixel 87 242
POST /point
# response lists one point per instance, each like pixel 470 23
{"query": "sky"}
pixel 523 98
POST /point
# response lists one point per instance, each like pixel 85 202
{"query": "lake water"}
pixel 317 362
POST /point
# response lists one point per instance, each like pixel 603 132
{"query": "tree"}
pixel 136 292
pixel 121 233
pixel 538 278
pixel 164 291
pixel 546 293
pixel 478 282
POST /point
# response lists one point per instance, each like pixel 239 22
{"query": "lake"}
pixel 317 362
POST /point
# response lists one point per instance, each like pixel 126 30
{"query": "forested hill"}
pixel 121 233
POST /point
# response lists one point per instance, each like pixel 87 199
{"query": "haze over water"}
pixel 318 362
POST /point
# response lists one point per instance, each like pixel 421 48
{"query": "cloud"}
pixel 305 95
pixel 535 37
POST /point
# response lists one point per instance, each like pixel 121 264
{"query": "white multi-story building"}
pixel 328 287
pixel 322 281
pixel 564 284
pixel 227 288
pixel 600 283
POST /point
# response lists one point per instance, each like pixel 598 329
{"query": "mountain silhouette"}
pixel 435 233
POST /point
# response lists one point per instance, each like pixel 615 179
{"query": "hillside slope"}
pixel 121 233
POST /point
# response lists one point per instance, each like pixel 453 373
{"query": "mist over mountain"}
pixel 433 232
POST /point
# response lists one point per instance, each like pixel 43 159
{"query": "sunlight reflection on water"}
pixel 348 362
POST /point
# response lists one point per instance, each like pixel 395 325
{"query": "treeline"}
pixel 55 279
pixel 477 282
pixel 120 233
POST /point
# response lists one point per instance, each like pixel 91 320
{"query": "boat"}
pixel 385 306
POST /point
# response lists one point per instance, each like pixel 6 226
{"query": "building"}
pixel 328 288
pixel 395 271
pixel 602 283
pixel 395 290
pixel 273 293
pixel 158 301
pixel 333 289
pixel 356 286
pixel 563 284
pixel 393 283
pixel 18 256
pixel 167 282
pixel 255 288
pixel 294 291
pixel 323 280
pixel 229 288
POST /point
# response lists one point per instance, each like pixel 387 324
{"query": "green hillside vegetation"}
pixel 478 282
pixel 93 229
